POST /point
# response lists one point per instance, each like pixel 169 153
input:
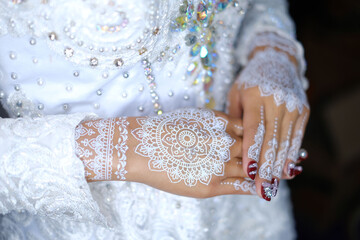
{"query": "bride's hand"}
pixel 190 152
pixel 270 99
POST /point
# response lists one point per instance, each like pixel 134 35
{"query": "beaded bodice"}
pixel 128 58
pixel 126 52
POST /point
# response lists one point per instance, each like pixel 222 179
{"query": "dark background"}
pixel 326 196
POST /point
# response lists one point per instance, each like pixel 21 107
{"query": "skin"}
pixel 138 170
pixel 243 119
pixel 246 103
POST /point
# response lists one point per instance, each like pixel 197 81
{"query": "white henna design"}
pixel 275 75
pixel 121 147
pixel 189 144
pixel 265 171
pixel 97 152
pixel 255 149
pixel 296 142
pixel 282 154
pixel 245 186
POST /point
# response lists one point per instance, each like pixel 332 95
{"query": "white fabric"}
pixel 37 79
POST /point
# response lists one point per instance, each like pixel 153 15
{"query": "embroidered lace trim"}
pixel 40 173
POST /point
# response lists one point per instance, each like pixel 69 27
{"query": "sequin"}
pixel 118 62
pixel 53 36
pixel 195 50
pixel 68 52
pixel 192 68
pixel 94 62
pixel 202 12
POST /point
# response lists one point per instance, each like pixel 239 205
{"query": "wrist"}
pixel 257 49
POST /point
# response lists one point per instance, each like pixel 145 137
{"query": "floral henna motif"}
pixel 275 75
pixel 265 171
pixel 96 149
pixel 245 186
pixel 189 144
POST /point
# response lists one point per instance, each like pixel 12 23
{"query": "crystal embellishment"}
pixel 69 52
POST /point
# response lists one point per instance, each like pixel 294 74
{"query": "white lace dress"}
pixel 64 61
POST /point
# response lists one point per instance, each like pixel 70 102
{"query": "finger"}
pixel 237 186
pixel 290 169
pixel 234 169
pixel 236 149
pixel 254 131
pixel 268 153
pixel 286 132
pixel 233 107
pixel 237 126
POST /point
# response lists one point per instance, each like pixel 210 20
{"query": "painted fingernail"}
pixel 266 191
pixel 297 170
pixel 290 169
pixel 252 169
pixel 275 184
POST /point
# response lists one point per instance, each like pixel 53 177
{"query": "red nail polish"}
pixel 252 169
pixel 275 183
pixel 290 170
pixel 297 170
pixel 266 191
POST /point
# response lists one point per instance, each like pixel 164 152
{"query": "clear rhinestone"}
pixel 140 108
pixel 76 73
pixel 118 62
pixel 2 94
pixel 69 52
pixel 124 94
pixel 96 105
pixel 99 92
pixel 141 88
pixel 125 75
pixel 171 93
pixel 186 97
pixel 94 62
pixel 17 87
pixel 35 60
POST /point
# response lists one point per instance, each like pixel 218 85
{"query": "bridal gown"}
pixel 65 61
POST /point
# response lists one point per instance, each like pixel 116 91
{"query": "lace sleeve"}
pixel 39 171
pixel 267 23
